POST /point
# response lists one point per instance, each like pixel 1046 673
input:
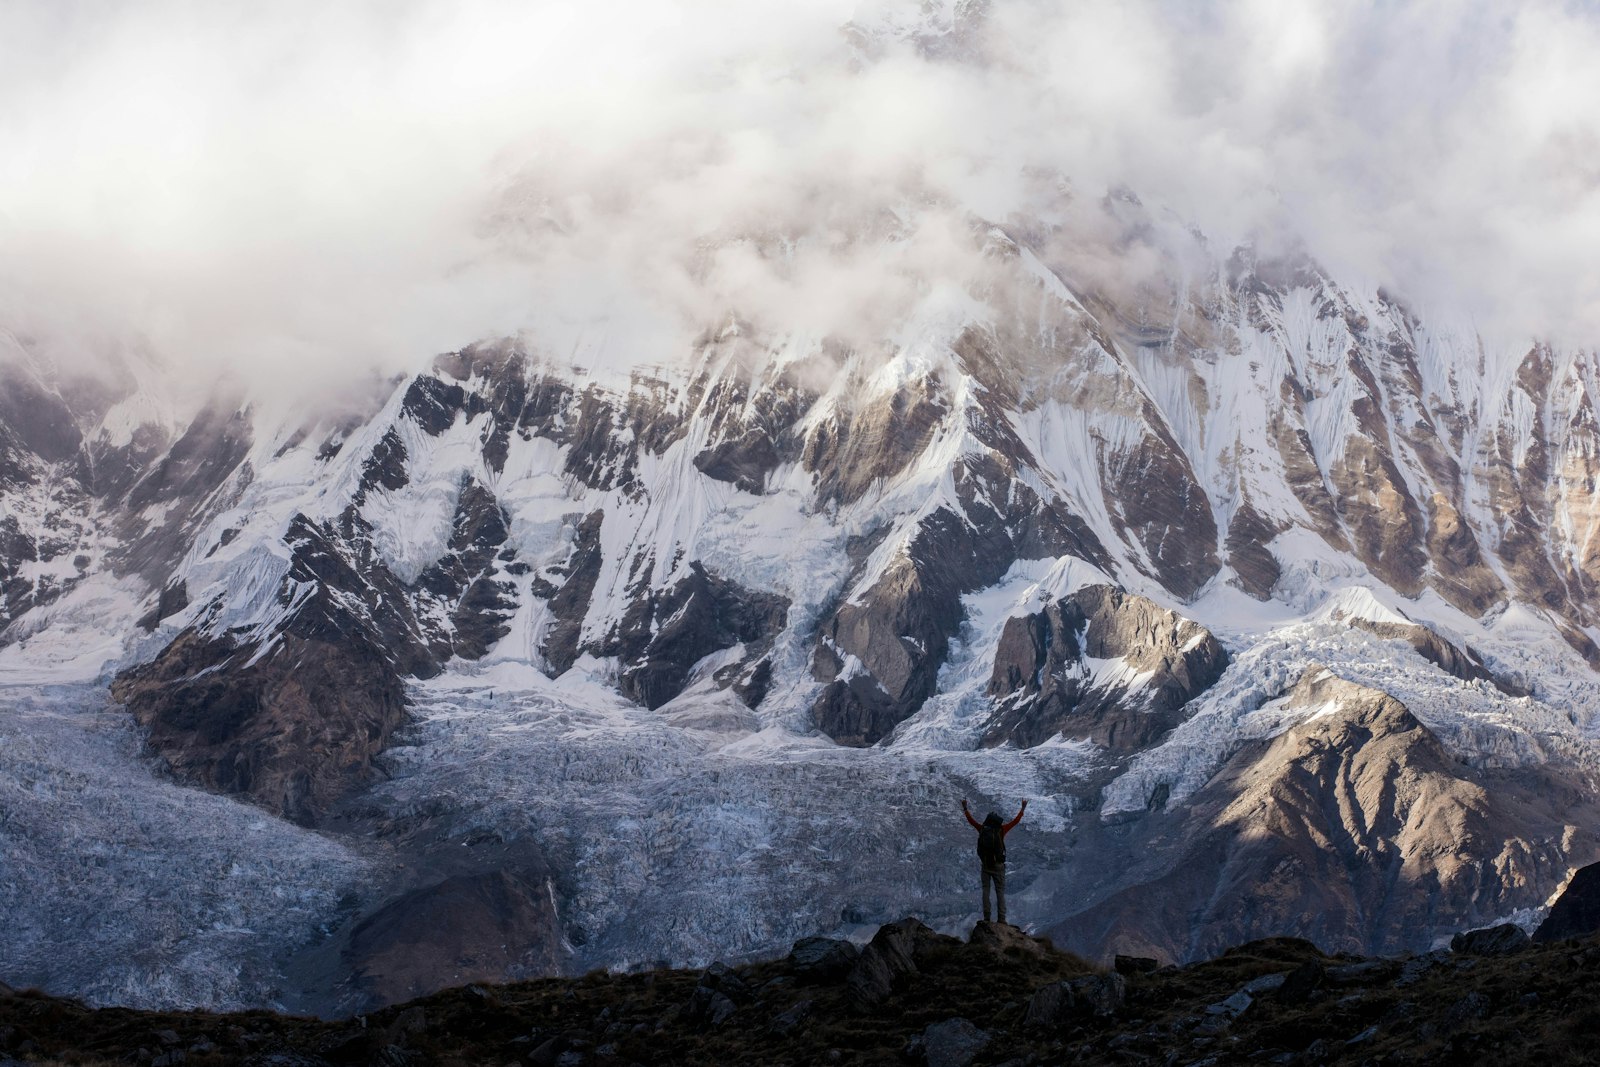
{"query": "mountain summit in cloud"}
pixel 252 190
pixel 490 493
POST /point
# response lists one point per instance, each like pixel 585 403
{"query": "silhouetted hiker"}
pixel 992 855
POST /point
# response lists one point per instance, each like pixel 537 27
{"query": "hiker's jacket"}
pixel 1006 829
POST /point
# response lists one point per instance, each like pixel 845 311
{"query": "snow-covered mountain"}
pixel 1277 599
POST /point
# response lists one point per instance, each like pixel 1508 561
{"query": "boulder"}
pixel 1470 1007
pixel 887 959
pixel 411 1021
pixel 1361 971
pixel 711 1008
pixel 388 1056
pixel 822 959
pixel 1300 983
pixel 719 993
pixel 1135 965
pixel 1102 994
pixel 1093 995
pixel 724 979
pixel 1004 938
pixel 1417 968
pixel 1233 1007
pixel 952 1043
pixel 1363 1037
pixel 358 1044
pixel 1050 1007
pixel 548 1053
pixel 1576 913
pixel 1267 983
pixel 1491 941
pixel 791 1019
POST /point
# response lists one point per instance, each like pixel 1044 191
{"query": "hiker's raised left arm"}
pixel 1007 827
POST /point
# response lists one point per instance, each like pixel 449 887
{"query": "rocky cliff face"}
pixel 1355 828
pixel 1202 445
pixel 1100 665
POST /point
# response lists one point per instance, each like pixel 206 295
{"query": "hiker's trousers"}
pixel 996 875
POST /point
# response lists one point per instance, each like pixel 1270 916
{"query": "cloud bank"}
pixel 292 189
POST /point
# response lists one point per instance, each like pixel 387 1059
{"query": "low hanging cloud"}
pixel 304 190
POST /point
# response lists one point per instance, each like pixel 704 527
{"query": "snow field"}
pixel 121 888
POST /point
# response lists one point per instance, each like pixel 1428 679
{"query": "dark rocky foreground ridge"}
pixel 913 996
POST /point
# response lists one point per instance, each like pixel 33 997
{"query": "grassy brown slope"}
pixel 1537 1006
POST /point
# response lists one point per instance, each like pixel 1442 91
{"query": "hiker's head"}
pixel 993 819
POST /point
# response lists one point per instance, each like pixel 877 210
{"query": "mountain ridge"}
pixel 786 548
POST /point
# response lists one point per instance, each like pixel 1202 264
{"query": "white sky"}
pixel 283 188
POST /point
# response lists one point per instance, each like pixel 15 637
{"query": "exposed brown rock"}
pixel 570 603
pixel 1301 468
pixel 1355 829
pixel 1462 576
pixel 1043 685
pixel 467 928
pixel 1008 940
pixel 207 457
pixel 1576 913
pixel 385 467
pixel 665 633
pixel 606 433
pixel 173 599
pixel 17 592
pixel 1254 564
pixel 1152 493
pixel 1501 940
pixel 465 585
pixel 434 404
pixel 1383 521
pixel 744 461
pixel 1517 475
pixel 296 720
pixel 292 730
pixel 899 629
pixel 750 425
pixel 856 448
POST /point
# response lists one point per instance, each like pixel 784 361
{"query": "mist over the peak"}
pixel 298 192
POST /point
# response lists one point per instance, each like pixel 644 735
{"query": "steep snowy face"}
pixel 805 515
pixel 1435 463
pixel 103 477
pixel 801 520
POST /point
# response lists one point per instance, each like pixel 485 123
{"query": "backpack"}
pixel 992 844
